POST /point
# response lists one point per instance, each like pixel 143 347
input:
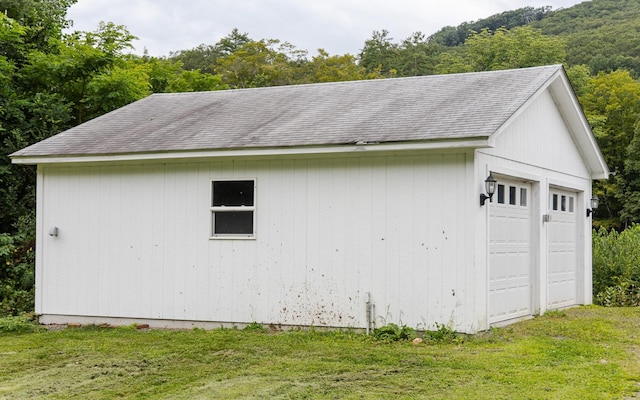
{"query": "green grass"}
pixel 582 353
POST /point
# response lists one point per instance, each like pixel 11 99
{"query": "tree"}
pixel 41 20
pixel 503 49
pixel 261 63
pixel 416 56
pixel 195 81
pixel 455 36
pixel 379 54
pixel 116 87
pixel 204 57
pixel 612 105
pixel 325 68
pixel 82 57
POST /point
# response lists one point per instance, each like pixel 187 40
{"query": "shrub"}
pixel 442 334
pixel 394 333
pixel 616 267
pixel 21 323
pixel 17 271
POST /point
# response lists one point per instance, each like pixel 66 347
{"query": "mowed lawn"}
pixel 581 353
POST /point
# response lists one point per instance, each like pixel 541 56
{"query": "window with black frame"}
pixel 233 208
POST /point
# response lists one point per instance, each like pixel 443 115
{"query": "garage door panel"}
pixel 562 249
pixel 510 252
pixel 510 301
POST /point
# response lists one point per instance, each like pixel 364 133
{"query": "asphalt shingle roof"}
pixel 435 107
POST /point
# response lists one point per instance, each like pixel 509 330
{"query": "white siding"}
pixel 134 242
pixel 539 137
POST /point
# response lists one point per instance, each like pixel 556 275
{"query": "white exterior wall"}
pixel 134 242
pixel 537 147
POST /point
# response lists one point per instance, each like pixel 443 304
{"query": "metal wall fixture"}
pixel 594 204
pixel 489 187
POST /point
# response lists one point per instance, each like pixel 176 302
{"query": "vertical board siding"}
pixel 135 242
pixel 540 137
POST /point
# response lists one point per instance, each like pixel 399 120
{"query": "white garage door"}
pixel 510 252
pixel 562 249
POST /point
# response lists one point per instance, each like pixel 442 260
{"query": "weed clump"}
pixel 394 333
pixel 442 334
pixel 255 327
pixel 18 324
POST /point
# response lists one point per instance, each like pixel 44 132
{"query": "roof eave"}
pixel 344 149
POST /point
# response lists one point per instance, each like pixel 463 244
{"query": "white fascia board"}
pixel 262 152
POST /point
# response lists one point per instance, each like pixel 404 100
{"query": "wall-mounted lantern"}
pixel 594 204
pixel 489 187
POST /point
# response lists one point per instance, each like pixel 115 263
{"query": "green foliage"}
pixel 18 324
pixel 611 102
pixel 117 87
pixel 616 267
pixel 455 36
pixel 326 68
pixel 442 334
pixel 194 81
pixel 393 333
pixel 503 49
pixel 600 34
pixel 417 57
pixel 90 71
pixel 40 20
pixel 260 63
pixel 17 275
pixel 379 54
pixel 204 57
pixel 255 327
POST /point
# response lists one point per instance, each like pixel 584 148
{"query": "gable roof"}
pixel 429 108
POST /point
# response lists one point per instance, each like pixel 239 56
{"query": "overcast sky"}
pixel 338 26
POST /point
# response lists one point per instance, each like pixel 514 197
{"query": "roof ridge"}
pixel 359 81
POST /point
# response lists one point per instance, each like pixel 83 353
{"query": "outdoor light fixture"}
pixel 489 187
pixel 594 204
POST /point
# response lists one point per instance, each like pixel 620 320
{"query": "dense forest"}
pixel 50 81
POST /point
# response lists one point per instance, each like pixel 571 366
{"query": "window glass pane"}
pixel 570 203
pixel 523 197
pixel 501 194
pixel 233 222
pixel 512 195
pixel 563 204
pixel 233 193
pixel 555 202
